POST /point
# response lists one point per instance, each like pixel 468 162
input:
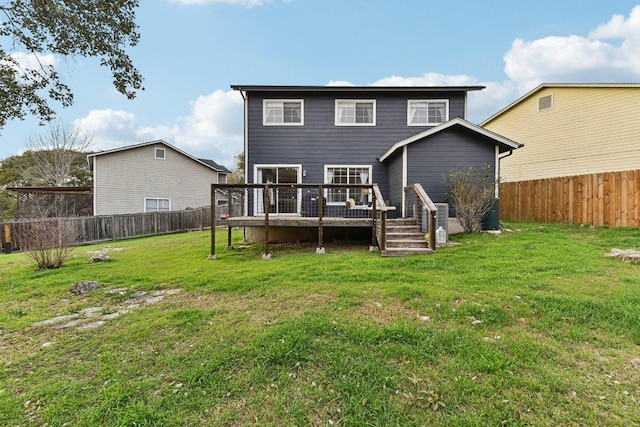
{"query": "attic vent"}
pixel 545 102
pixel 160 153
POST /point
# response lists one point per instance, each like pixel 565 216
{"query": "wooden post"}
pixel 320 248
pixel 213 223
pixel 374 218
pixel 267 202
pixel 383 232
pixel 432 230
pixel 229 201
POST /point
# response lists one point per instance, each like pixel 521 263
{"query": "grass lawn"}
pixel 532 327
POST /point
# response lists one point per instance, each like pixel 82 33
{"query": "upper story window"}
pixel 545 103
pixel 355 112
pixel 425 112
pixel 283 112
pixel 160 153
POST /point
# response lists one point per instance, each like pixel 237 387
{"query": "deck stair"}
pixel 405 238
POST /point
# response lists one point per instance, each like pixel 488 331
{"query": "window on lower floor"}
pixel 152 204
pixel 355 112
pixel 427 112
pixel 336 174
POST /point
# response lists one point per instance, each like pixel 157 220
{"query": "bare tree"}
pixel 472 192
pixel 47 241
pixel 59 155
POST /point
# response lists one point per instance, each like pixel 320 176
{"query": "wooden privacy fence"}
pixel 119 227
pixel 605 199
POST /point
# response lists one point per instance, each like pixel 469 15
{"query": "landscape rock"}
pixel 626 255
pixel 82 287
pixel 101 256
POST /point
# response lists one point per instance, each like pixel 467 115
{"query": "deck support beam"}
pixel 320 248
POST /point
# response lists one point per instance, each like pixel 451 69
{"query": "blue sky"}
pixel 192 50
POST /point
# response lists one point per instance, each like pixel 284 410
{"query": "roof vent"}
pixel 545 103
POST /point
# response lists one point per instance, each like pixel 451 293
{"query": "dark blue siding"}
pixel 319 142
pixel 429 161
pixel 395 181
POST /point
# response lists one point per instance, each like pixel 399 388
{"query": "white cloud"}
pixel 579 59
pixel 213 129
pixel 110 128
pixel 32 61
pixel 245 3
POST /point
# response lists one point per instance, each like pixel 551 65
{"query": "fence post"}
pixel 213 223
pixel 320 248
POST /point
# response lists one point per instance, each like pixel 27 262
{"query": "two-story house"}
pixel 581 163
pixel 392 136
pixel 152 176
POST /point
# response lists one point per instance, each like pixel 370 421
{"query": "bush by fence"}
pixel 119 227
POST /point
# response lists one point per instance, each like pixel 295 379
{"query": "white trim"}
pixel 95 187
pixel 405 178
pixel 157 199
pixel 282 123
pixel 275 166
pixel 428 101
pixel 497 173
pixel 326 167
pixel 453 122
pixel 355 101
pixel 157 150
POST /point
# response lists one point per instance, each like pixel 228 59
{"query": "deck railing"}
pixel 416 202
pixel 302 205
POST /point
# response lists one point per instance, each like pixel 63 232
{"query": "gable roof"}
pixel 505 143
pixel 560 85
pixel 205 162
pixel 267 88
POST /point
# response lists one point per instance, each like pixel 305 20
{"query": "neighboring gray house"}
pixel 392 136
pixel 150 177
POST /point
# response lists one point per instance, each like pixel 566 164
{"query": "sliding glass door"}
pixel 281 200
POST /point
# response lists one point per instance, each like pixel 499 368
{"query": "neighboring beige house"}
pixel 571 129
pixel 150 177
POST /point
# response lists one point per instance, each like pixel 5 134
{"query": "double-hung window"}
pixel 283 112
pixel 357 112
pixel 338 174
pixel 425 112
pixel 153 204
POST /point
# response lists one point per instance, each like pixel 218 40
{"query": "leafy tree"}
pixel 91 28
pixel 237 175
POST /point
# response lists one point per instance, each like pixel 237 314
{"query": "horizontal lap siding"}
pixel 431 160
pixel 124 178
pixel 319 142
pixel 395 180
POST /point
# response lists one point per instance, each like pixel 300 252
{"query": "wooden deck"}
pixel 293 221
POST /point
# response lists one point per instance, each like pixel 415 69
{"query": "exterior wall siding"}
pixel 395 181
pixel 588 130
pixel 123 179
pixel 319 142
pixel 431 160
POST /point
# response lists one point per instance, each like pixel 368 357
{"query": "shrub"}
pixel 47 241
pixel 472 192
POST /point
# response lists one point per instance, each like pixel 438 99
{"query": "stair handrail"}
pixel 381 229
pixel 431 208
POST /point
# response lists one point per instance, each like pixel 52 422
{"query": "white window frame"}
pixel 160 150
pixel 282 102
pixel 428 101
pixel 256 192
pixel 157 199
pixel 338 122
pixel 326 180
